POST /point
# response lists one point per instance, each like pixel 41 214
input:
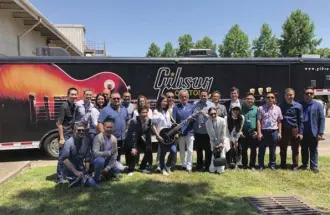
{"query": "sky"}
pixel 129 27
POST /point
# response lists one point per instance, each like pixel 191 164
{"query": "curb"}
pixel 25 166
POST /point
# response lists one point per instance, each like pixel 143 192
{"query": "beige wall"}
pixel 10 28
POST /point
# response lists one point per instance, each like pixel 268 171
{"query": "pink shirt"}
pixel 269 116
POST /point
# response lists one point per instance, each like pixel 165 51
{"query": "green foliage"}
pixel 205 43
pixel 185 43
pixel 154 51
pixel 168 51
pixel 298 35
pixel 266 45
pixel 235 44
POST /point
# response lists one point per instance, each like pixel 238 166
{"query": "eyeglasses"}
pixel 309 93
pixel 270 97
pixel 80 130
pixel 213 114
pixel 115 98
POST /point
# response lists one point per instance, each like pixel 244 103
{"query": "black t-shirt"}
pixel 66 117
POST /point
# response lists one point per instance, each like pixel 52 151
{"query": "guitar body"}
pixel 168 139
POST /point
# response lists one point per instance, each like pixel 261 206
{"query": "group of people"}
pixel 92 137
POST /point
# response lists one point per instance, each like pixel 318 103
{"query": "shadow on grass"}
pixel 127 197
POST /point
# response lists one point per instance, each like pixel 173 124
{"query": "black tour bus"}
pixel 33 88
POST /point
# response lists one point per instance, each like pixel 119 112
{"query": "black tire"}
pixel 51 145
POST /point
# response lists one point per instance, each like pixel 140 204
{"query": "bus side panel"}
pixel 303 75
pixel 274 76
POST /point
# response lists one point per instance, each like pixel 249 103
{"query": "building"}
pixel 23 28
pixel 77 35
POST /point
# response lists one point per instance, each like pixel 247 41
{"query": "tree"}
pixel 298 35
pixel 235 44
pixel 185 43
pixel 168 51
pixel 205 43
pixel 154 51
pixel 324 53
pixel 266 45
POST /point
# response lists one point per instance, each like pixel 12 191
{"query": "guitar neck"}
pixel 176 128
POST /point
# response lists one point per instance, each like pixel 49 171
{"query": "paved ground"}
pixel 9 170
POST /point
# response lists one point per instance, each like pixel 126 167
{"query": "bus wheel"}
pixel 51 145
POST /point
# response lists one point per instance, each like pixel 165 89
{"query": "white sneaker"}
pixel 165 172
pixel 145 171
pixel 130 174
pixel 168 169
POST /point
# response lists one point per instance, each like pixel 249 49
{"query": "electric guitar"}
pixel 168 134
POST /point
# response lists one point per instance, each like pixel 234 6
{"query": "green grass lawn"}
pixel 34 192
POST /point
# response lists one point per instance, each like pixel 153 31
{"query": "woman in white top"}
pixel 92 118
pixel 142 101
pixel 162 119
pixel 235 122
pixel 216 129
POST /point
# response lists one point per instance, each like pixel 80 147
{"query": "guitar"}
pixel 18 81
pixel 168 134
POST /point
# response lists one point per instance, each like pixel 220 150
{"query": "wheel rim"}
pixel 53 146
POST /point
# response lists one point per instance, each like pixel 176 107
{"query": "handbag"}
pixel 217 159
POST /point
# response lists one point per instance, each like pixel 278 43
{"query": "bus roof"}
pixel 183 60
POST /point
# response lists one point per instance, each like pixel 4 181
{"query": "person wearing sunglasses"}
pixel 119 115
pixel 216 129
pixel 76 157
pixel 269 126
pixel 314 122
pixel 292 128
pixel 235 122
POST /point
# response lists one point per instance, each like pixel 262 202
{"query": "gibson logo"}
pixel 168 80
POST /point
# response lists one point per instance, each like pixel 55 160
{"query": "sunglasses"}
pixel 116 98
pixel 309 93
pixel 213 114
pixel 235 109
pixel 270 97
pixel 80 130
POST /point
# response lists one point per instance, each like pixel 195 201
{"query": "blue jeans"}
pixel 269 139
pixel 309 146
pixel 99 163
pixel 60 165
pixel 71 176
pixel 163 150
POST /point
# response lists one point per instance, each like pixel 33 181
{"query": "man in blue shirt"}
pixel 314 122
pixel 180 113
pixel 119 115
pixel 292 128
pixel 76 157
pixel 202 139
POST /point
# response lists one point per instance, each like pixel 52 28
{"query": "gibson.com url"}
pixel 317 68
